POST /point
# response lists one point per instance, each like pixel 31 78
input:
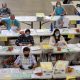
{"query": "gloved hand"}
pixel 30 67
pixel 21 67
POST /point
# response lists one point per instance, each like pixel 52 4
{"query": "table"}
pixel 46 19
pixel 27 19
pixel 64 31
pixel 70 48
pixel 37 32
pixel 75 73
pixel 37 49
pixel 55 18
pixel 16 73
pixel 8 35
pixel 17 50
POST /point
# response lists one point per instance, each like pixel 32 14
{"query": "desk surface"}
pixel 26 18
pixel 39 32
pixel 54 18
pixel 15 73
pixel 64 31
pixel 17 50
pixel 37 49
pixel 75 73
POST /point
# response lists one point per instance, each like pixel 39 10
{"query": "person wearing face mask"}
pixel 25 39
pixel 4 11
pixel 59 10
pixel 56 39
pixel 11 23
pixel 26 61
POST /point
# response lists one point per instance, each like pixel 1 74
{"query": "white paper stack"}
pixel 60 67
pixel 46 66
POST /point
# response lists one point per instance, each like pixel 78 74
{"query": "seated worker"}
pixel 26 61
pixel 57 39
pixel 25 39
pixel 5 11
pixel 11 23
pixel 59 10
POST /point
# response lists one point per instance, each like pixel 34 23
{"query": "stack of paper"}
pixel 78 45
pixel 47 66
pixel 46 46
pixel 40 15
pixel 71 78
pixel 33 48
pixel 60 66
pixel 71 36
pixel 73 47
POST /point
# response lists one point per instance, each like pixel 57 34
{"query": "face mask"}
pixel 57 35
pixel 26 55
pixel 4 8
pixel 26 35
pixel 58 5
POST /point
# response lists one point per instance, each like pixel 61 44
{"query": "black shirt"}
pixel 25 40
pixel 5 11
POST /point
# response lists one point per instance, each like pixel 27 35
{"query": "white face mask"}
pixel 4 8
pixel 57 34
pixel 26 35
pixel 58 5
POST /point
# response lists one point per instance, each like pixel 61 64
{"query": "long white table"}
pixel 37 49
pixel 16 73
pixel 55 18
pixel 40 32
pixel 36 33
pixel 70 48
pixel 64 31
pixel 75 73
pixel 17 50
pixel 10 33
pixel 46 19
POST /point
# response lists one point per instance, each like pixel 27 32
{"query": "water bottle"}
pixel 51 27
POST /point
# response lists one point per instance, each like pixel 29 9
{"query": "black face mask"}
pixel 26 55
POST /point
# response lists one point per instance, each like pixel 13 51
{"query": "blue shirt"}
pixel 59 10
pixel 9 22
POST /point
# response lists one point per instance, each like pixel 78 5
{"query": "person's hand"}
pixel 29 45
pixel 18 29
pixel 51 14
pixel 30 67
pixel 21 67
pixel 56 44
pixel 20 44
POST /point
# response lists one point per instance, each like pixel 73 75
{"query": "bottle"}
pixel 51 27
